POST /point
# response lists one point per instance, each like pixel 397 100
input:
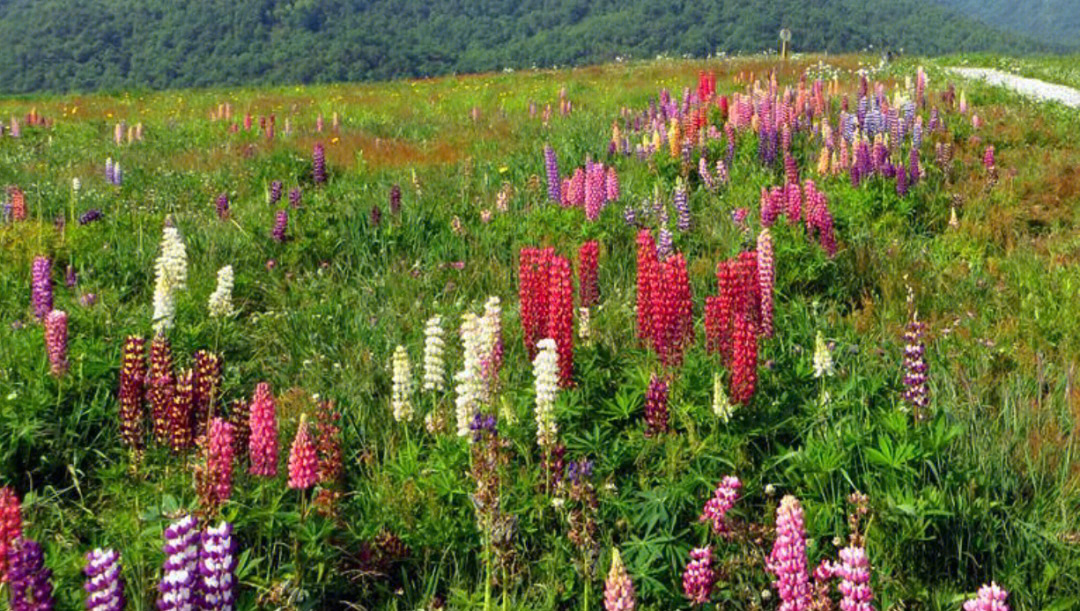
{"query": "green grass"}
pixel 988 489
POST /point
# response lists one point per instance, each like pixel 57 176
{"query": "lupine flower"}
pixel 56 341
pixel 491 346
pixel 274 196
pixel 469 384
pixel 180 412
pixel 318 163
pixel 220 455
pixel 222 206
pixel 41 289
pixel 10 527
pixel 765 280
pixel 18 204
pixel 656 410
pixel 534 272
pixel 587 273
pixel 91 215
pixel 706 177
pixel 395 199
pixel 611 185
pixel 551 167
pixel 988 158
pixel 594 191
pixel 220 304
pixel 648 268
pixel 901 180
pixel 110 170
pixel 434 365
pixel 217 567
pixel 989 598
pixel 560 300
pixel 682 207
pixel 546 374
pixel 376 216
pixel 664 246
pixel 171 276
pixel 584 329
pixel 303 460
pixel 721 404
pixel 130 394
pixel 699 576
pixel 178 588
pixel 294 197
pixel 401 394
pixel 744 331
pixel 823 363
pixel 263 442
pixel 328 442
pixel 618 588
pixel 723 499
pixel 787 561
pixel 630 215
pixel 28 577
pixel 207 367
pixel 104 581
pixel 854 572
pixel 281 225
pixel 916 393
pixel 159 391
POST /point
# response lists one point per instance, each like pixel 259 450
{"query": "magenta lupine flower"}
pixel 854 574
pixel 104 582
pixel 771 204
pixel 723 499
pixel 766 280
pixel 656 410
pixel 303 461
pixel 551 166
pixel 275 192
pixel 281 224
pixel 220 457
pixel 41 289
pixel 577 188
pixel 618 588
pixel 787 561
pixel 294 197
pixel 594 192
pixel 318 164
pixel 28 578
pixel 263 443
pixel 699 577
pixel 217 568
pixel 989 598
pixel 178 589
pixel 222 205
pixel 612 184
pixel 901 180
pixel 791 169
pixel 988 158
pixel 56 341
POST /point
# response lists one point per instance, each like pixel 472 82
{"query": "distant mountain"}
pixel 60 45
pixel 1052 21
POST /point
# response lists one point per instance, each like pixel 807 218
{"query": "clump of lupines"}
pixel 318 163
pixel 41 287
pixel 656 408
pixel 916 392
pixel 699 577
pixel 222 206
pixel 104 581
pixel 56 341
pixel 171 276
pixel 281 225
pixel 220 304
pixel 818 218
pixel 854 573
pixel 434 365
pixel 159 390
pixel 395 199
pixel 823 363
pixel 664 308
pixel 263 442
pixel 533 271
pixel 547 305
pixel 618 588
pixel 28 577
pixel 10 527
pixel 303 459
pixel 546 374
pixel 787 561
pixel 178 589
pixel 216 568
pixel 989 598
pixel 588 286
pixel 723 499
pixel 181 411
pixel 401 393
pixel 766 280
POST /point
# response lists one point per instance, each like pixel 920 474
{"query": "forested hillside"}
pixel 1052 21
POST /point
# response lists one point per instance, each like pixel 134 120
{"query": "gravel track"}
pixel 1032 88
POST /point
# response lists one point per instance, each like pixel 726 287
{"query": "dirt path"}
pixel 1032 88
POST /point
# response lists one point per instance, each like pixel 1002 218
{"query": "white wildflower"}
pixel 171 276
pixel 469 385
pixel 546 372
pixel 721 404
pixel 400 396
pixel 220 304
pixel 823 365
pixel 584 331
pixel 434 365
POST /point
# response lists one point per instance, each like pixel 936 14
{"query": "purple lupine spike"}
pixel 706 176
pixel 178 589
pixel 71 277
pixel 222 205
pixel 294 197
pixel 281 224
pixel 901 180
pixel 118 174
pixel 275 192
pixel 682 207
pixel 91 215
pixel 217 568
pixel 318 163
pixel 104 582
pixel 41 288
pixel 914 173
pixel 630 215
pixel 110 170
pixel 656 399
pixel 28 577
pixel 551 166
pixel 916 394
pixel 395 199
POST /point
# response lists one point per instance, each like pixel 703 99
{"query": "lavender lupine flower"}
pixel 722 171
pixel 275 192
pixel 318 163
pixel 630 215
pixel 706 177
pixel 217 567
pixel 28 577
pixel 916 393
pixel 664 247
pixel 41 290
pixel 178 588
pixel 682 207
pixel 118 174
pixel 90 216
pixel 699 576
pixel 281 224
pixel 723 499
pixel 222 206
pixel 551 166
pixel 854 573
pixel 901 180
pixel 71 278
pixel 104 583
pixel 787 561
pixel 56 341
pixel 989 598
pixel 294 197
pixel 110 171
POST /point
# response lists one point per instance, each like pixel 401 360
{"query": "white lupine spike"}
pixel 434 365
pixel 469 385
pixel 823 364
pixel 546 373
pixel 401 393
pixel 171 276
pixel 220 304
